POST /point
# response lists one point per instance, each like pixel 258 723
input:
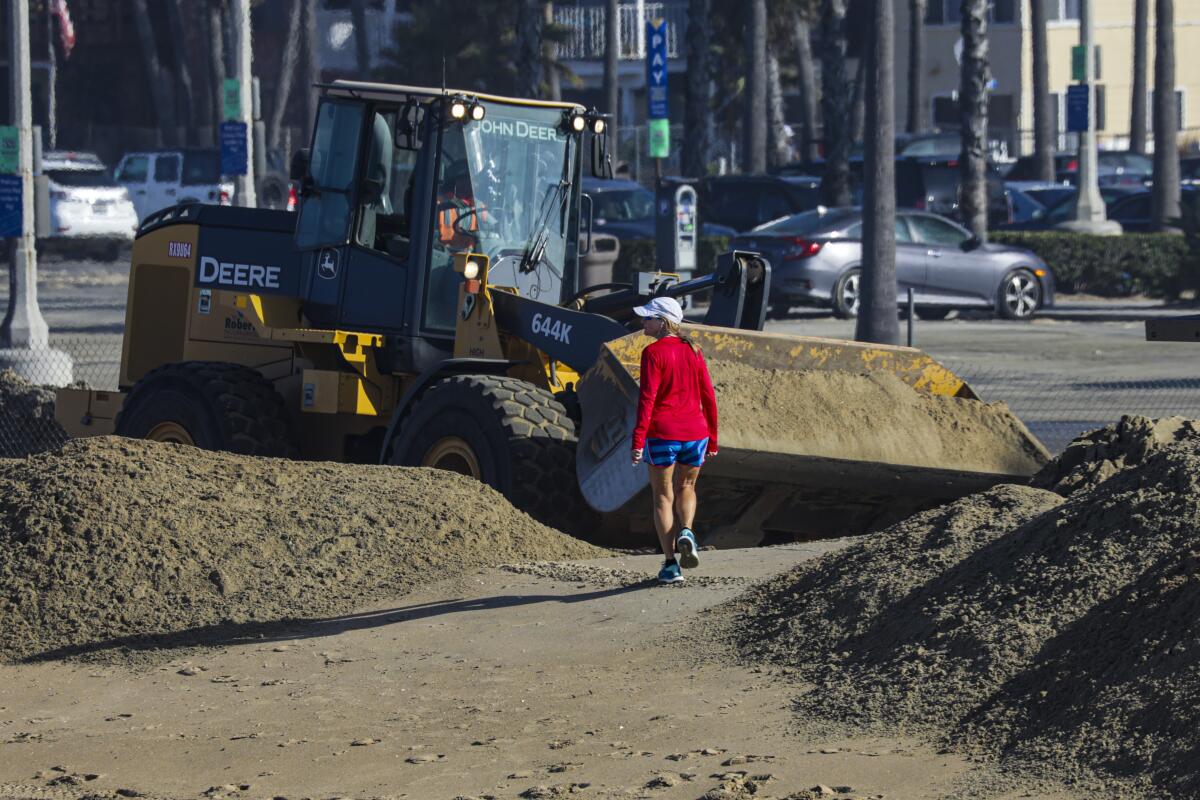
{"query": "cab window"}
pixel 166 169
pixel 134 170
pixel 326 211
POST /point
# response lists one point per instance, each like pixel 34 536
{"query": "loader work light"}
pixel 458 110
pixel 464 108
pixel 574 121
pixel 477 112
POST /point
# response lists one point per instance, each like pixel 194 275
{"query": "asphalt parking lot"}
pixel 1079 365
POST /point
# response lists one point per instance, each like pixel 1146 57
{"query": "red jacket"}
pixel 677 399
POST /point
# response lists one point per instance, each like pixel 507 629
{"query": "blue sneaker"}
pixel 686 549
pixel 670 573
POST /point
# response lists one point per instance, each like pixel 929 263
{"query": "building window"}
pixel 1062 10
pixel 949 12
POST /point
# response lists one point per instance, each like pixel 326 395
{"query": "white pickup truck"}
pixel 160 178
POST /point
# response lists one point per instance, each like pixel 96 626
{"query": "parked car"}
pixel 743 201
pixel 625 209
pixel 161 178
pixel 816 260
pixel 1189 170
pixel 933 185
pixel 88 210
pixel 1114 168
pixel 1062 209
pixel 942 146
pixel 1133 210
pixel 1030 199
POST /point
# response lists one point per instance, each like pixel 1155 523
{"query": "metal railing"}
pixel 587 38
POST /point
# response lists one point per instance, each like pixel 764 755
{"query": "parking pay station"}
pixel 676 228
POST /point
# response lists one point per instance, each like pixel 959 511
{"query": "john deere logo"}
pixel 327 264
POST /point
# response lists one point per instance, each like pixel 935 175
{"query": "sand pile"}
pixel 112 538
pixel 27 423
pixel 1051 631
pixel 870 417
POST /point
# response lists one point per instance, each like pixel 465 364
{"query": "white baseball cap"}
pixel 667 308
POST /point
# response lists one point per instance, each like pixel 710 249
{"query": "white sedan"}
pixel 87 208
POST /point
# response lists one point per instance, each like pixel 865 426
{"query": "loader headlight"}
pixel 471 270
pixel 477 112
pixel 574 121
pixel 463 108
pixel 458 110
pixel 596 122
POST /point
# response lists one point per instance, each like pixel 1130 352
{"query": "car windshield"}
pixel 201 167
pixel 79 177
pixel 516 168
pixel 802 224
pixel 623 205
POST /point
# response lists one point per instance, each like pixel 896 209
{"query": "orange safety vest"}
pixel 450 235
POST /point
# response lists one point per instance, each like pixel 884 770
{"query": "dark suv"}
pixel 746 201
pixel 934 186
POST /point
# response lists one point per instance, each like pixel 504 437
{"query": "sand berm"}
pixel 1057 630
pixel 110 541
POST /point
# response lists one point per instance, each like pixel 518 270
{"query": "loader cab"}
pixel 401 179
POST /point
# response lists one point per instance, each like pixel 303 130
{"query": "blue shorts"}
pixel 665 452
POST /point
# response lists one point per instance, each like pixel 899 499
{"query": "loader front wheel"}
pixel 509 434
pixel 211 405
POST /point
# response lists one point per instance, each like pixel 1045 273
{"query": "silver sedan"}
pixel 816 260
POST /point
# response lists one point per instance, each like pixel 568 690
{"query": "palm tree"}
pixel 216 63
pixel 550 67
pixel 310 66
pixel 807 85
pixel 1043 148
pixel 877 309
pixel 287 68
pixel 697 108
pixel 916 58
pixel 1137 105
pixel 972 103
pixel 191 120
pixel 529 49
pixel 612 54
pixel 835 104
pixel 755 109
pixel 161 101
pixel 858 99
pixel 362 55
pixel 1164 196
pixel 779 150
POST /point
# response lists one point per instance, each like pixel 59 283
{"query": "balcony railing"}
pixel 587 39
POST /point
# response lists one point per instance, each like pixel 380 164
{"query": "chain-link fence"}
pixel 1056 409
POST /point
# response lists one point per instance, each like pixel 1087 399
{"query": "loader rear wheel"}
pixel 509 434
pixel 212 405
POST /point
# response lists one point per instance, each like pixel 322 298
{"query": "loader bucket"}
pixel 818 437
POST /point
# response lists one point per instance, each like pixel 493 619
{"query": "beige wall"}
pixel 1011 63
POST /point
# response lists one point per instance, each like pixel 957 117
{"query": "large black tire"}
pixel 208 404
pixel 845 294
pixel 507 433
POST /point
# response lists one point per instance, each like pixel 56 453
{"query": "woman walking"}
pixel 676 430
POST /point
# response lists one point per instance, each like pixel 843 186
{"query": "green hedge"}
pixel 1157 264
pixel 637 255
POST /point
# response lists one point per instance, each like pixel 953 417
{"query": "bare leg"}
pixel 664 502
pixel 685 495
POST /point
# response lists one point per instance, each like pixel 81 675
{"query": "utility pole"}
pixel 1090 215
pixel 241 20
pixel 24 335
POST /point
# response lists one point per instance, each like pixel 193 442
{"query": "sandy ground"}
pixel 493 683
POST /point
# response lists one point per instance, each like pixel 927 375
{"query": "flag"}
pixel 66 29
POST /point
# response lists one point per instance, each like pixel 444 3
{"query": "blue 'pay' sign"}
pixel 10 206
pixel 233 148
pixel 656 69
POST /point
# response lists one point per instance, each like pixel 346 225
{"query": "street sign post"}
pixel 1077 108
pixel 234 155
pixel 232 97
pixel 656 88
pixel 1079 63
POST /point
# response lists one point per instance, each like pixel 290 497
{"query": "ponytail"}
pixel 674 329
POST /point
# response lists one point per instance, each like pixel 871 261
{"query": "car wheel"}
pixel 933 313
pixel 845 295
pixel 1020 295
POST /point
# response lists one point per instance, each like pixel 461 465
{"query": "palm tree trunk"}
pixel 310 68
pixel 216 64
pixel 1043 136
pixel 362 54
pixel 858 108
pixel 182 71
pixel 1137 105
pixel 916 59
pixel 835 104
pixel 1164 196
pixel 808 88
pixel 529 49
pixel 779 149
pixel 972 100
pixel 756 88
pixel 612 55
pixel 160 94
pixel 287 69
pixel 877 310
pixel 550 55
pixel 698 101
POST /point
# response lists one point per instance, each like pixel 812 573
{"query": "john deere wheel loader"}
pixel 423 307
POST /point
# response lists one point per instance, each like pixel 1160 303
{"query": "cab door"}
pixel 164 188
pixel 133 173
